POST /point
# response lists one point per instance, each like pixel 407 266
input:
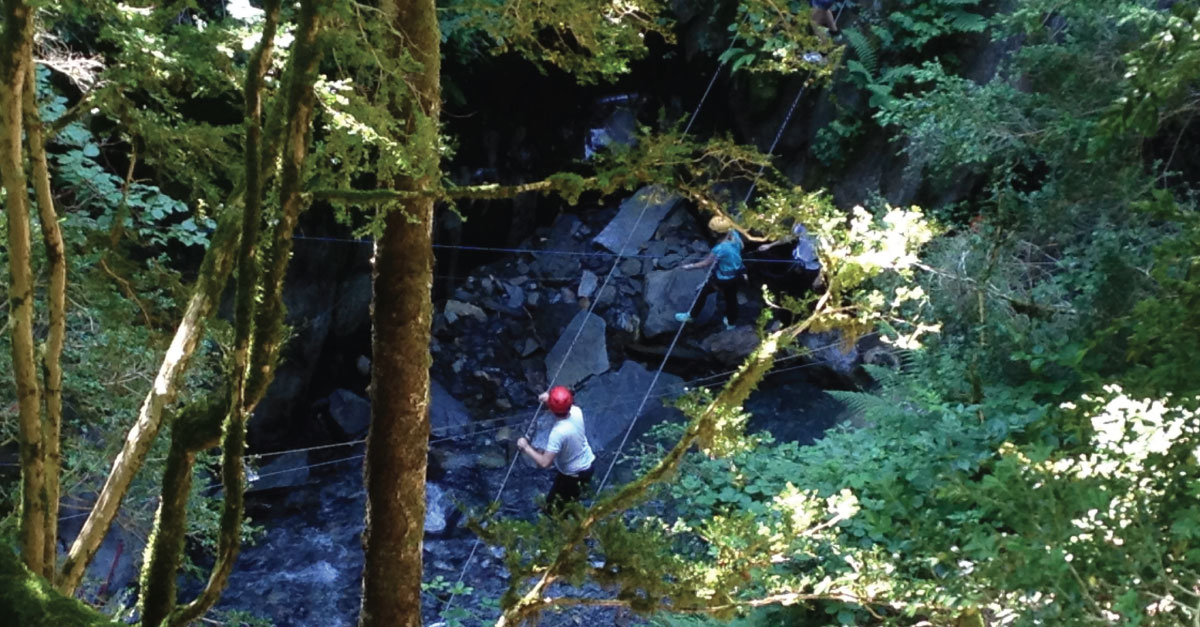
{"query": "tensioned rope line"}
pixel 537 410
pixel 786 120
pixel 443 439
pixel 528 251
pixel 470 429
pixel 625 439
pixel 712 81
pixel 475 546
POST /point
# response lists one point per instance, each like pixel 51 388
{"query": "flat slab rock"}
pixel 587 357
pixel 668 292
pixel 637 220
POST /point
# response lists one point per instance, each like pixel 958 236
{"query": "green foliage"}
pixel 773 40
pixel 593 41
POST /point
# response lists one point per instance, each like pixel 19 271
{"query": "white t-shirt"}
pixel 568 442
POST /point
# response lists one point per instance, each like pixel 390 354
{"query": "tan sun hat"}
pixel 720 224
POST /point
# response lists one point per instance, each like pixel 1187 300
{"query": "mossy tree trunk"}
pixel 401 318
pixel 56 332
pixel 16 48
pixel 197 428
pixel 258 329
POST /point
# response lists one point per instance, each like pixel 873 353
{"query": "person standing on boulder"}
pixel 727 254
pixel 567 449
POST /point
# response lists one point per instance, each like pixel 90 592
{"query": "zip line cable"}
pixel 444 434
pixel 778 134
pixel 471 556
pixel 537 410
pixel 512 250
pixel 688 383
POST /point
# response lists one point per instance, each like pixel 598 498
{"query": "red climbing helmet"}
pixel 560 400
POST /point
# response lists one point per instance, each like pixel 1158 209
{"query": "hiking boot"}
pixel 683 316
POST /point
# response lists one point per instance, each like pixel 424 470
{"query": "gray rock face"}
pixel 587 284
pixel 455 309
pixel 619 129
pixel 627 227
pixel 280 471
pixel 731 347
pixel 445 411
pixel 438 509
pixel 668 292
pixel 354 303
pixel 351 412
pixel 827 349
pixel 588 357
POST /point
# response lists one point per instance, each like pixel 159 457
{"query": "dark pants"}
pixel 567 489
pixel 728 288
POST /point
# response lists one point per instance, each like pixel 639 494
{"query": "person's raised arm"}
pixel 703 263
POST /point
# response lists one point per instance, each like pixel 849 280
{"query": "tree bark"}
pixel 401 316
pixel 56 334
pixel 17 50
pixel 260 345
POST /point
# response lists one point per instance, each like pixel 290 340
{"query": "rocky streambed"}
pixel 566 314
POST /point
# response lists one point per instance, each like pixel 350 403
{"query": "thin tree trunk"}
pixel 401 317
pixel 56 255
pixel 263 344
pixel 17 49
pixel 297 118
pixel 214 272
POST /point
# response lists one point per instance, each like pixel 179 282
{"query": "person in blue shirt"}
pixel 726 277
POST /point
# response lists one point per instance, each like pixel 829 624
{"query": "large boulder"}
pixel 351 412
pixel 446 413
pixel 455 309
pixel 353 305
pixel 731 347
pixel 830 350
pixel 279 471
pixel 669 292
pixel 439 510
pixel 561 239
pixel 619 129
pixel 637 220
pixel 577 358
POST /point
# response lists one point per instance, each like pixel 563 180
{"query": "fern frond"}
pixel 864 48
pixel 869 405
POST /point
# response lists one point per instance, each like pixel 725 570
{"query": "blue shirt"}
pixel 729 257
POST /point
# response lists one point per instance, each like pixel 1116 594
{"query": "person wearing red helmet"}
pixel 567 449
